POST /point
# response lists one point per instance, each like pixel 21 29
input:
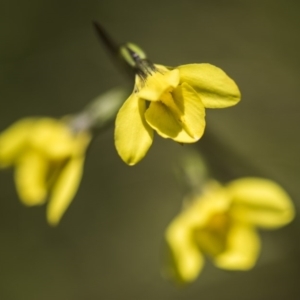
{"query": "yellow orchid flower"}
pixel 170 101
pixel 48 159
pixel 221 224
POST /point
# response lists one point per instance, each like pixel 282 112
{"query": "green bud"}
pixel 132 54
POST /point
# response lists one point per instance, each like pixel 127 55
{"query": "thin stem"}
pixel 113 48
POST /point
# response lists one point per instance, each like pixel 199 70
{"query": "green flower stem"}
pixel 100 112
pixel 191 171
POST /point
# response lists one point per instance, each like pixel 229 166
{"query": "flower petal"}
pixel 181 235
pixel 213 220
pixel 243 247
pixel 64 189
pixel 161 118
pixel 261 202
pixel 133 136
pixel 13 140
pixel 192 108
pixel 217 90
pixel 213 200
pixel 158 83
pixel 80 143
pixel 186 261
pixel 30 178
pixel 53 138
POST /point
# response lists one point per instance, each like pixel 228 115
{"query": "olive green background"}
pixel 108 245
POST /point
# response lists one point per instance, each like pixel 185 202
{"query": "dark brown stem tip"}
pixel 105 38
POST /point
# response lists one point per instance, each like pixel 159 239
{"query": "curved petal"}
pixel 30 177
pixel 53 138
pixel 182 235
pixel 80 143
pixel 261 202
pixel 213 201
pixel 13 140
pixel 217 90
pixel 192 108
pixel 133 136
pixel 64 189
pixel 156 84
pixel 242 249
pixel 213 220
pixel 186 261
pixel 161 118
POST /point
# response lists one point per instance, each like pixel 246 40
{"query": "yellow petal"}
pixel 64 189
pixel 192 108
pixel 162 119
pixel 133 136
pixel 261 202
pixel 213 220
pixel 156 84
pixel 214 200
pixel 52 137
pixel 13 140
pixel 30 178
pixel 217 90
pixel 186 261
pixel 242 250
pixel 80 143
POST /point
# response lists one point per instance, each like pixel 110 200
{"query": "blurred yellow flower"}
pixel 221 224
pixel 48 159
pixel 170 101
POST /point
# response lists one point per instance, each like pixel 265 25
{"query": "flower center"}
pixel 212 238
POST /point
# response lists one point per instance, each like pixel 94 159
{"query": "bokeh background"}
pixel 108 245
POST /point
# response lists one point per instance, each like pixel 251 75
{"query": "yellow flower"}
pixel 221 224
pixel 48 159
pixel 170 101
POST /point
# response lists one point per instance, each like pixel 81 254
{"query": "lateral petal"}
pixel 243 247
pixel 133 136
pixel 30 177
pixel 185 261
pixel 53 138
pixel 261 202
pixel 64 189
pixel 13 140
pixel 216 88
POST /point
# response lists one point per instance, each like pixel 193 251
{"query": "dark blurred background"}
pixel 108 245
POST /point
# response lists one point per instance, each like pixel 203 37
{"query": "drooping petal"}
pixel 158 83
pixel 186 261
pixel 213 220
pixel 166 123
pixel 212 238
pixel 243 246
pixel 261 202
pixel 182 234
pixel 192 108
pixel 80 143
pixel 214 200
pixel 133 136
pixel 13 140
pixel 64 189
pixel 53 138
pixel 216 88
pixel 30 178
